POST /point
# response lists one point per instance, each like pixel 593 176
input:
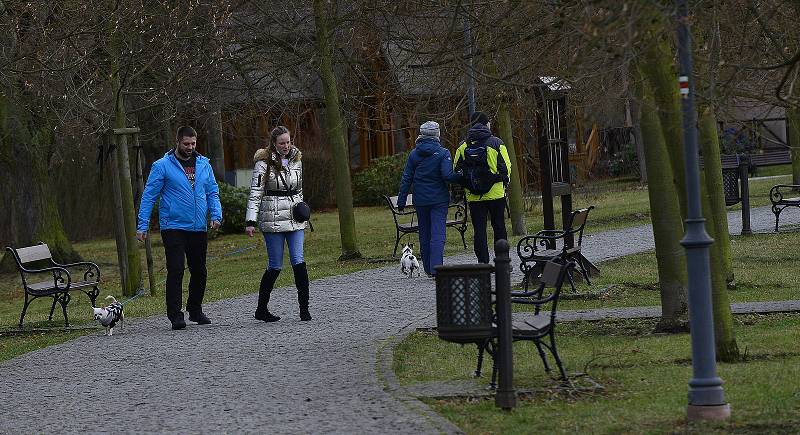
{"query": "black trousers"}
pixel 192 246
pixel 479 210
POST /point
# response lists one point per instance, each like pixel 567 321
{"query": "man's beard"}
pixel 184 155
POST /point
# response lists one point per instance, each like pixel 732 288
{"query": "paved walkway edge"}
pixel 386 375
pixel 764 307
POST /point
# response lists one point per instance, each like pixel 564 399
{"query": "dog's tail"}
pixel 113 299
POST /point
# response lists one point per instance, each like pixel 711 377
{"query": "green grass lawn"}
pixel 644 376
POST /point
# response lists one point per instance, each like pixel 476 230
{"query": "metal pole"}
pixel 706 397
pixel 744 188
pixel 506 396
pixel 468 50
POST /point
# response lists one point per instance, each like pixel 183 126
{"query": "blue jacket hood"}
pixel 428 146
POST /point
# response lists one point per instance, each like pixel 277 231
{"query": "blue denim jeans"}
pixel 275 242
pixel 432 235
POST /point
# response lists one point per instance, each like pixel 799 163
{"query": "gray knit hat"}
pixel 429 128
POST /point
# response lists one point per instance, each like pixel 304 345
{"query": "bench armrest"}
pixel 779 187
pixel 460 212
pixel 530 244
pixel 60 276
pixel 405 211
pixel 550 233
pixel 91 271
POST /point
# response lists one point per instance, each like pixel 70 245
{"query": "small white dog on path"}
pixel 110 315
pixel 408 262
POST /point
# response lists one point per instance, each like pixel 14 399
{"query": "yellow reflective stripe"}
pixel 504 152
pixel 491 158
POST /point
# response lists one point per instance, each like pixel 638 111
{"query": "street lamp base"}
pixel 708 412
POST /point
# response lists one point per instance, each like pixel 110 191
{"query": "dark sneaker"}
pixel 305 315
pixel 177 320
pixel 267 317
pixel 200 318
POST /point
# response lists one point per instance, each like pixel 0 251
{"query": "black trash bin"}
pixel 730 182
pixel 464 302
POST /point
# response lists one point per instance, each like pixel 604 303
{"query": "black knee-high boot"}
pixel 301 282
pixel 264 291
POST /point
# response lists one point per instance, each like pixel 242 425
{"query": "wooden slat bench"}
pixel 59 281
pixel 405 223
pixel 755 160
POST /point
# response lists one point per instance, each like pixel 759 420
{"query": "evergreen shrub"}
pixel 382 177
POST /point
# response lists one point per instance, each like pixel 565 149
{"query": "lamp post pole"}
pixel 706 396
pixel 506 396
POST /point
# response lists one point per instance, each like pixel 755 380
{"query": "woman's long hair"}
pixel 274 157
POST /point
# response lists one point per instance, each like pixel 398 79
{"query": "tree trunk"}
pixel 335 130
pixel 24 161
pixel 133 274
pixel 658 68
pixel 636 136
pixel 793 127
pixel 724 336
pixel 666 218
pixel 718 217
pixel 515 202
pixel 216 150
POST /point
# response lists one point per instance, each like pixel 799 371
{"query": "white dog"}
pixel 408 262
pixel 110 315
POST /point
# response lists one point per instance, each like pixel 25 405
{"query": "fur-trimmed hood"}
pixel 265 153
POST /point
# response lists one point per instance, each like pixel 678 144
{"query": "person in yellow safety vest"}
pixel 484 165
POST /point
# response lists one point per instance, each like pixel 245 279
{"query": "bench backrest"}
pixel 393 201
pixel 548 289
pixel 578 223
pixel 33 253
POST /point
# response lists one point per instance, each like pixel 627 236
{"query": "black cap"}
pixel 478 118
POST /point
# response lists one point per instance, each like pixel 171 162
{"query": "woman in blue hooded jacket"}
pixel 429 169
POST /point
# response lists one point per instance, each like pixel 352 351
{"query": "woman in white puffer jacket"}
pixel 277 185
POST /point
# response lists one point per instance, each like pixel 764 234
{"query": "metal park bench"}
pixel 536 250
pixel 780 197
pixel 539 326
pixel 405 223
pixel 56 279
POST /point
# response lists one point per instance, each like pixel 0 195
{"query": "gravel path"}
pixel 330 375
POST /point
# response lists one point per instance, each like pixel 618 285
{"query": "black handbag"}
pixel 301 212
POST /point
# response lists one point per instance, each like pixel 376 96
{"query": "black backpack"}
pixel 476 175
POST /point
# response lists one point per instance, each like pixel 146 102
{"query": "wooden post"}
pixel 139 156
pixel 119 221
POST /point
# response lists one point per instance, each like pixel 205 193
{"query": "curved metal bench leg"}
pixel 64 300
pixel 571 282
pixel 53 307
pixel 462 231
pixel 584 272
pixel 24 310
pixel 481 349
pixel 396 242
pixel 495 370
pixel 554 351
pixel 93 296
pixel 542 355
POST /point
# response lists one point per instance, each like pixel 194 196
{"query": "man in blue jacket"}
pixel 429 169
pixel 185 182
